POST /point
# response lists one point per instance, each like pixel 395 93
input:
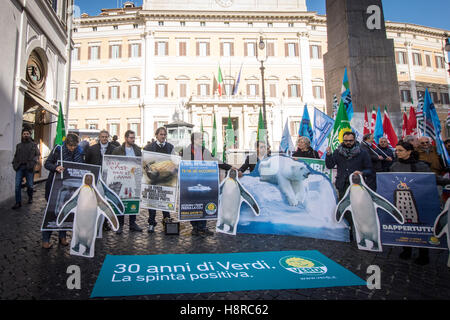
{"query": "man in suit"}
pixel 129 149
pixel 160 145
pixel 95 153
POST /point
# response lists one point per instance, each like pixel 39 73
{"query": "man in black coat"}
pixel 348 158
pixel 25 159
pixel 160 145
pixel 95 153
pixel 129 149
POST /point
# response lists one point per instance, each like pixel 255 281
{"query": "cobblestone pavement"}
pixel 29 272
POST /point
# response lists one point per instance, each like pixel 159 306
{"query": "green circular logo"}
pixel 211 208
pixel 302 265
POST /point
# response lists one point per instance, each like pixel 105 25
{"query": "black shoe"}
pixel 151 228
pixel 30 200
pixel 135 227
pixel 16 206
pixel 405 254
pixel 195 232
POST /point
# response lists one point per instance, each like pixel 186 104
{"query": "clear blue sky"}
pixel 431 13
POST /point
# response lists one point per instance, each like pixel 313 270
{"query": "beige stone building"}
pixel 143 67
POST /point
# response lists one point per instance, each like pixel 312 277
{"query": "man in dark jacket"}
pixel 95 153
pixel 160 145
pixel 386 152
pixel 348 158
pixel 25 159
pixel 129 149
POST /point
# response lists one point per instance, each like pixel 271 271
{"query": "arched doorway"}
pixel 37 112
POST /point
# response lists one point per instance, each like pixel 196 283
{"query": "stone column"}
pixel 357 41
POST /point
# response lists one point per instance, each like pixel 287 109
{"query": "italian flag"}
pixel 220 80
pixel 373 121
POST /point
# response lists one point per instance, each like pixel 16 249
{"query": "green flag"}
pixel 261 133
pixel 341 125
pixel 229 138
pixel 214 139
pixel 60 128
pixel 201 130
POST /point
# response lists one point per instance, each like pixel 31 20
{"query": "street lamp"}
pixel 262 58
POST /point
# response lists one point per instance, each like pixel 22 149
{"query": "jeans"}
pixel 47 234
pixel 29 175
pixel 152 216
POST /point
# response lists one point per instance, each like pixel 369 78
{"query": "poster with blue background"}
pixel 416 196
pixel 293 198
pixel 199 190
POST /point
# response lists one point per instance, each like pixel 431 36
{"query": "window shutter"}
pixel 165 90
pixel 118 92
pixel 207 49
pixel 139 50
pixel 129 92
pixel 298 90
pixel 286 50
pixel 98 52
pixel 320 51
pixel 272 89
pixel 138 91
pixel 232 49
pixel 167 48
pixel 156 48
pixel 197 48
pixel 296 49
pixel 271 49
pixel 138 129
pixel 96 93
pixel 322 95
pixel 248 89
pixel 89 53
pixel 245 49
pixel 311 52
pixel 129 50
pixel 289 91
pixel 109 93
pixel 156 91
pixel 207 90
pixel 88 93
pixel 257 89
pixel 221 49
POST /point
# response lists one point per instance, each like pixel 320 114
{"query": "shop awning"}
pixel 44 104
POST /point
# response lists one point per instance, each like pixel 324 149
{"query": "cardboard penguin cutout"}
pixel 363 203
pixel 87 204
pixel 442 226
pixel 231 196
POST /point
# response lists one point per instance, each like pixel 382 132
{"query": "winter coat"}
pixel 310 153
pixel 27 153
pixel 120 151
pixel 94 154
pixel 154 147
pixel 376 162
pixel 187 153
pixel 345 167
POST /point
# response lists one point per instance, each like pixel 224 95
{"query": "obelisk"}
pixel 357 41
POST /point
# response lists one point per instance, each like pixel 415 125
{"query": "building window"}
pixel 160 23
pixel 270 49
pixel 182 23
pixel 115 51
pixel 445 98
pixel 315 52
pixel 113 129
pixel 94 28
pixel 250 49
pixel 272 90
pixel 294 127
pixel 54 4
pixel 294 91
pixel 250 24
pixel 318 92
pixel 182 48
pixel 405 95
pixel 135 50
pixel 252 90
pixel 76 54
pixel 402 57
pixel 434 97
pixel 203 90
pixel 114 93
pixel 136 127
pixel 290 24
pixel 291 49
pixel 202 49
pixel 228 89
pixel 161 48
pixel 440 63
pixel 161 90
pixel 135 26
pixel 270 24
pixel 226 49
pixel 202 23
pixel 92 93
pixel 428 60
pixel 94 53
pixel 183 90
pixel 134 92
pixel 115 27
pixel 226 23
pixel 73 94
pixel 417 59
pixel 92 126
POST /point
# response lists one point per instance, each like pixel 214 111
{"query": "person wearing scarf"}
pixel 304 149
pixel 70 152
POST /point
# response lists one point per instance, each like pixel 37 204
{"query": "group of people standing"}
pixel 412 154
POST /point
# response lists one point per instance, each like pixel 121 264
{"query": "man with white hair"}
pixel 427 153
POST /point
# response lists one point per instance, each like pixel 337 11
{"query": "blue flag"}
pixel 236 85
pixel 305 129
pixel 286 144
pixel 346 96
pixel 323 125
pixel 378 132
pixel 433 126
